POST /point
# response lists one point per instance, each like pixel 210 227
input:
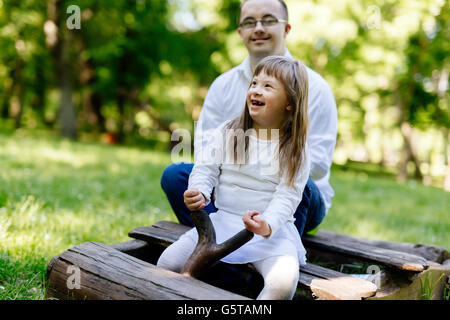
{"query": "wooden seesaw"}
pixel 127 270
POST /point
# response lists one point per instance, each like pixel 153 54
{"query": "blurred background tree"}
pixel 137 70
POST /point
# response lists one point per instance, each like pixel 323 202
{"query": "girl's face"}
pixel 267 102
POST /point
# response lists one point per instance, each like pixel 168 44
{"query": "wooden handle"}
pixel 207 252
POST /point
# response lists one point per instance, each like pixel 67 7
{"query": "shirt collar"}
pixel 246 70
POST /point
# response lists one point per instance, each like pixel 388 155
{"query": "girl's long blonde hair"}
pixel 293 75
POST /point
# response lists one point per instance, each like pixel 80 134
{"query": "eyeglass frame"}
pixel 261 21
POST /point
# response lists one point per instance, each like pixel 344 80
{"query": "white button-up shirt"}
pixel 225 100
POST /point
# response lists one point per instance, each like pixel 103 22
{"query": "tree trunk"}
pixel 38 101
pixel 447 159
pixel 121 121
pixel 19 91
pixel 58 41
pixel 67 115
pixel 92 100
pixel 20 100
pixel 7 94
pixel 409 152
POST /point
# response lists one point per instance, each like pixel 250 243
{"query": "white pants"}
pixel 280 273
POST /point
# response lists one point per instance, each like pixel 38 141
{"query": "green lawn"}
pixel 55 194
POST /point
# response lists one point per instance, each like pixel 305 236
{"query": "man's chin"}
pixel 260 52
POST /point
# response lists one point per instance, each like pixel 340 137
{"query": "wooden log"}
pixel 426 285
pixel 428 252
pixel 136 248
pixel 396 283
pixel 171 226
pixel 390 258
pixel 97 271
pixel 159 236
pixel 322 282
pixel 335 243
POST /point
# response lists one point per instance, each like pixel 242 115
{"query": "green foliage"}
pixel 386 61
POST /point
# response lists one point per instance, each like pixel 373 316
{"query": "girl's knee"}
pixel 166 261
pixel 283 287
pixel 280 282
pixel 176 255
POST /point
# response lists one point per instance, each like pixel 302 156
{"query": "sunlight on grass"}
pixel 382 209
pixel 56 194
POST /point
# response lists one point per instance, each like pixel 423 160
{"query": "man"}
pixel 263 27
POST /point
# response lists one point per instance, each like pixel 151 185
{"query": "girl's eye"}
pixel 253 83
pixel 268 86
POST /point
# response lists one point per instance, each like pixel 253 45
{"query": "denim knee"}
pixel 169 176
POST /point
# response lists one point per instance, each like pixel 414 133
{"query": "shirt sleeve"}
pixel 287 198
pixel 206 170
pixel 323 131
pixel 211 116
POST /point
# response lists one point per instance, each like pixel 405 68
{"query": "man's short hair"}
pixel 283 5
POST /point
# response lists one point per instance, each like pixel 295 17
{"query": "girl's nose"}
pixel 255 91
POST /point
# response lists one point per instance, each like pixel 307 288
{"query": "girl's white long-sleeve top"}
pixel 256 185
pixel 225 100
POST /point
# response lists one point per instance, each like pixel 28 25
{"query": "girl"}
pixel 252 189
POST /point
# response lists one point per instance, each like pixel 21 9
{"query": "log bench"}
pixel 402 264
pixel 127 270
pixel 322 282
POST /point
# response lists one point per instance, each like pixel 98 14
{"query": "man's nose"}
pixel 259 26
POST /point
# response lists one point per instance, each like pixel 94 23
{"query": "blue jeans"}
pixel 174 181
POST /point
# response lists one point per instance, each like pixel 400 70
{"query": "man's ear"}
pixel 289 108
pixel 287 28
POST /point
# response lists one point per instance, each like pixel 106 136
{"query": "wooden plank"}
pixel 354 287
pixel 106 273
pixel 328 241
pixel 390 258
pixel 327 284
pixel 428 252
pixel 172 227
pixel 129 246
pixel 158 235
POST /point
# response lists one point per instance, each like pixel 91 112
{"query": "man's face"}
pixel 262 40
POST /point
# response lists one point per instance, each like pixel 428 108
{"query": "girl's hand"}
pixel 194 199
pixel 255 224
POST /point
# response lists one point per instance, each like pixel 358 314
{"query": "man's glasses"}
pixel 265 22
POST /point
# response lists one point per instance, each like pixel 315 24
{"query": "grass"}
pixel 379 208
pixel 427 287
pixel 55 194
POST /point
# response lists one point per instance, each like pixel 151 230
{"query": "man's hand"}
pixel 194 199
pixel 255 224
